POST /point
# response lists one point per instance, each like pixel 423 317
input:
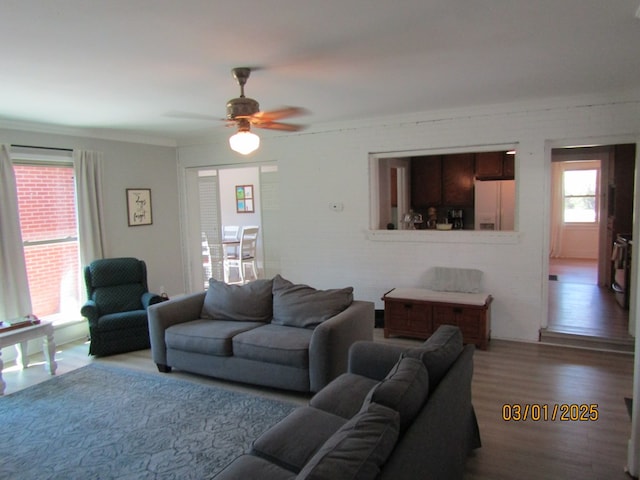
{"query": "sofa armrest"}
pixel 444 432
pixel 330 342
pixel 163 315
pixel 373 360
pixel 149 298
pixel 90 311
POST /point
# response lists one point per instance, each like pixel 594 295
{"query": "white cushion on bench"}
pixel 444 297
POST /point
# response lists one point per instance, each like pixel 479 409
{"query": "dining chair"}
pixel 230 232
pixel 230 239
pixel 244 256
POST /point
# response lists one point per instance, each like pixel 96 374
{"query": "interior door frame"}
pixel 268 243
pixel 572 143
pixel 603 155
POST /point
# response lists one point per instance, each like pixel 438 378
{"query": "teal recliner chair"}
pixel 116 309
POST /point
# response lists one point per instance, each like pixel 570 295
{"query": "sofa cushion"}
pixel 274 344
pixel 358 448
pixel 344 395
pixel 211 337
pixel 250 467
pixel 439 352
pixel 405 389
pixel 250 302
pixel 292 442
pixel 304 306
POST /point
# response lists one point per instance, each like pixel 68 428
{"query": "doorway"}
pixel 212 201
pixel 586 216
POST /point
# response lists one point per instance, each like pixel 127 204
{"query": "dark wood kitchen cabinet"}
pixel 426 181
pixel 623 166
pixel 495 166
pixel 620 190
pixel 509 167
pixel 457 179
pixel 442 180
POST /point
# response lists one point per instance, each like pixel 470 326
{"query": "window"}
pixel 46 200
pixel 580 196
pixel 470 189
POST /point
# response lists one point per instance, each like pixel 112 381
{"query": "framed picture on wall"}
pixel 139 206
pixel 244 199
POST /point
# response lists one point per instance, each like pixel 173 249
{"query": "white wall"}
pixel 330 163
pixel 580 241
pixel 229 178
pixel 131 165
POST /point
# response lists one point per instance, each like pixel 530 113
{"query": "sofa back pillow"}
pixel 304 306
pixel 404 389
pixel 439 352
pixel 251 302
pixel 358 449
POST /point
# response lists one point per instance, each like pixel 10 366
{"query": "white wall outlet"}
pixel 336 206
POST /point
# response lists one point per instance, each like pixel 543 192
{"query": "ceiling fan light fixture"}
pixel 244 142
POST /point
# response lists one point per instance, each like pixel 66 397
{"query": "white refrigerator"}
pixel 494 207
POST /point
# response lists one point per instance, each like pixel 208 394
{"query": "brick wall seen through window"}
pixel 46 199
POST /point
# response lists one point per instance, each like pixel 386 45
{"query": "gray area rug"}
pixel 103 422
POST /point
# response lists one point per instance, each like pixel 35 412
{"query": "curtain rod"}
pixel 43 148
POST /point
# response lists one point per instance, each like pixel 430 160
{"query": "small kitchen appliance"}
pixel 456 218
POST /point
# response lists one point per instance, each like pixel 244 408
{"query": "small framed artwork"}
pixel 139 206
pixel 244 199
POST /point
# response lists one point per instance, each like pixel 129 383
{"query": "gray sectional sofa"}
pixel 396 414
pixel 268 332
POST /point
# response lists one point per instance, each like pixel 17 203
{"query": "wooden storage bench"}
pixel 418 312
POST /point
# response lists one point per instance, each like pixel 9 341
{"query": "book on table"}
pixel 22 322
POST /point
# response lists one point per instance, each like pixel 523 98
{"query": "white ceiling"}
pixel 135 65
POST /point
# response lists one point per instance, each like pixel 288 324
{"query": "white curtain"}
pixel 15 300
pixel 88 171
pixel 557 207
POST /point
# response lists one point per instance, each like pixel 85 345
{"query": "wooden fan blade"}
pixel 284 112
pixel 286 127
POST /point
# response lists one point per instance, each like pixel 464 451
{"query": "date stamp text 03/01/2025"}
pixel 542 412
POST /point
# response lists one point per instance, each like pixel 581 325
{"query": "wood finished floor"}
pixel 509 372
pixel 578 306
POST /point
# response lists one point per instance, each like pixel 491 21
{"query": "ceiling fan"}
pixel 245 113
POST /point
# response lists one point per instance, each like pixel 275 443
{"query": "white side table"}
pixel 19 337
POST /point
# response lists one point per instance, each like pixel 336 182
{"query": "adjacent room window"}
pixel 47 205
pixel 580 196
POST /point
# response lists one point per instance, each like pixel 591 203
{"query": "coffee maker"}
pixel 456 218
